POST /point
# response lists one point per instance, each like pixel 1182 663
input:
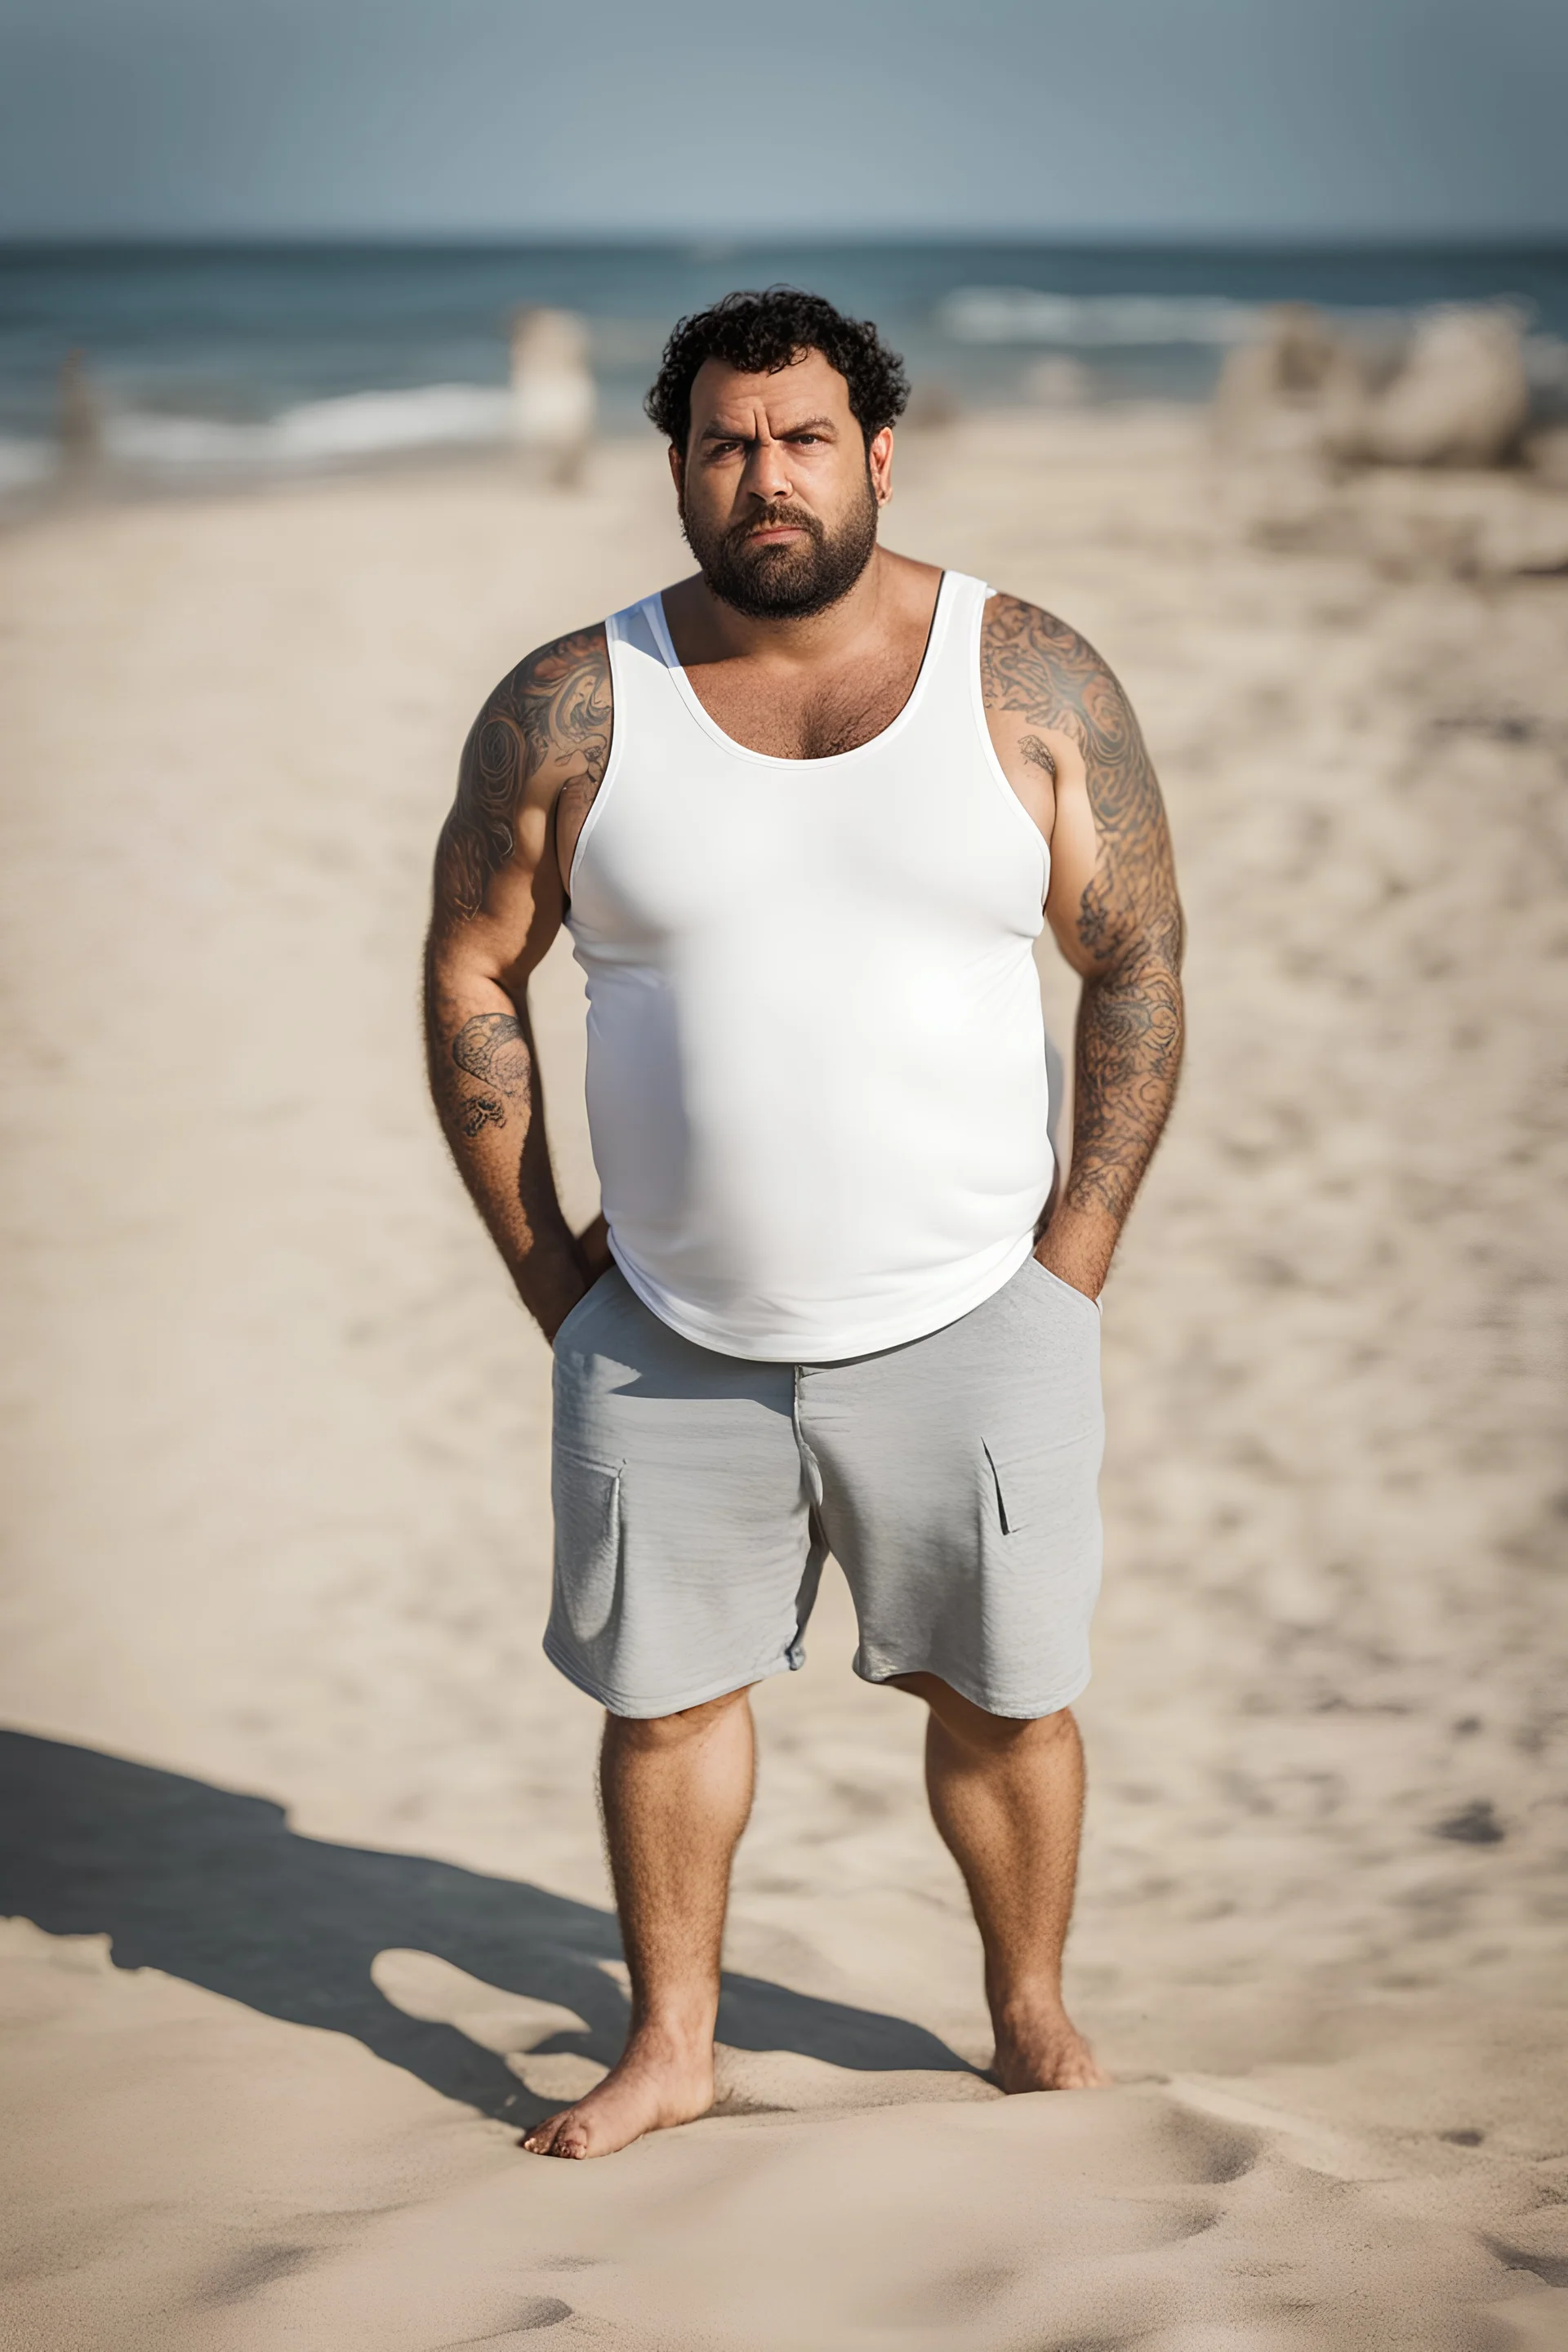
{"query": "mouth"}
pixel 766 533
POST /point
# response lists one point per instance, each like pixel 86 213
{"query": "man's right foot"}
pixel 657 2083
pixel 1046 2053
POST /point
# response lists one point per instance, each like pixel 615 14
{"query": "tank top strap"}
pixel 639 667
pixel 951 682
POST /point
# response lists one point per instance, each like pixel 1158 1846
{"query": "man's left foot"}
pixel 658 2082
pixel 1047 2054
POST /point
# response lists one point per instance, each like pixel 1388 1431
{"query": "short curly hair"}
pixel 762 333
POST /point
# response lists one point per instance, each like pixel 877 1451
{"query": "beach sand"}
pixel 300 1832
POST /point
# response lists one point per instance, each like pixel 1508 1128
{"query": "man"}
pixel 804 814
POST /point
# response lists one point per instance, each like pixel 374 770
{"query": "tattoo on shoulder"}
pixel 554 707
pixel 1033 664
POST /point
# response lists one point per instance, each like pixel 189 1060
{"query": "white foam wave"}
pixel 1017 314
pixel 316 433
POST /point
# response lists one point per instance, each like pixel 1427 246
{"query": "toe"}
pixel 541 2138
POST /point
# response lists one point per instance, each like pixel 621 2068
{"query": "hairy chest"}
pixel 807 717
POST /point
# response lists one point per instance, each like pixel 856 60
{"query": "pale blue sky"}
pixel 1166 117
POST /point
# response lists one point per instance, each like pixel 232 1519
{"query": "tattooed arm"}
pixel 529 769
pixel 1067 737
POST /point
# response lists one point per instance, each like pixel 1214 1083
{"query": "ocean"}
pixel 248 360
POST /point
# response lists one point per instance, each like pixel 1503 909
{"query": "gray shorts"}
pixel 953 1479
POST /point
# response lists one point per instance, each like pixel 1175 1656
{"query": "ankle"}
pixel 682 2036
pixel 1018 2007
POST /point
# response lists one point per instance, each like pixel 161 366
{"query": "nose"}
pixel 768 476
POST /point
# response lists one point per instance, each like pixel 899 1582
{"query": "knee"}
pixel 974 1727
pixel 650 1734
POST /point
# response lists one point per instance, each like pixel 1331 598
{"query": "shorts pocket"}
pixel 586 1496
pixel 571 1314
pixel 1071 1289
pixel 1009 1487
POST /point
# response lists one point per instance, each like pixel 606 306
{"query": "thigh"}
pixel 959 1481
pixel 682 1543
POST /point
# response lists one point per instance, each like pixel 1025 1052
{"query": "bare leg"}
pixel 1008 1798
pixel 676 1791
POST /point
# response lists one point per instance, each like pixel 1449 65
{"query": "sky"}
pixel 1166 119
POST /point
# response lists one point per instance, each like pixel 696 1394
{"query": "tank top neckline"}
pixel 653 607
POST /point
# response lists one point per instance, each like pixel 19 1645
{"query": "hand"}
pixel 594 1248
pixel 1077 1247
pixel 591 1258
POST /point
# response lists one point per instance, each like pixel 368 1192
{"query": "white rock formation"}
pixel 1461 398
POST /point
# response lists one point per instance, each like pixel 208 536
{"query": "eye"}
pixel 801 438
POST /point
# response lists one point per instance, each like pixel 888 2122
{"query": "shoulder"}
pixel 543 734
pixel 552 709
pixel 1040 668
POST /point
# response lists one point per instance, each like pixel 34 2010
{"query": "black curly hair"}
pixel 761 333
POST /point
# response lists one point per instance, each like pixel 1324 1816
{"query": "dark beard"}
pixel 786 582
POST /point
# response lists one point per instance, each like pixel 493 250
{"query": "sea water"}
pixel 251 360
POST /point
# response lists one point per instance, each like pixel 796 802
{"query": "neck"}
pixel 720 634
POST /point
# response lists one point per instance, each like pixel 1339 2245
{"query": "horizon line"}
pixel 701 245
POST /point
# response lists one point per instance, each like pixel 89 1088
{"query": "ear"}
pixel 676 468
pixel 879 460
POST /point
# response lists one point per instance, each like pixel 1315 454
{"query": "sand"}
pixel 299 1842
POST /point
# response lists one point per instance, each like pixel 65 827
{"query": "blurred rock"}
pixel 1461 398
pixel 552 389
pixel 1295 392
pixel 1547 457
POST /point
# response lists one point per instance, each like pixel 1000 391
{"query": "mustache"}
pixel 770 518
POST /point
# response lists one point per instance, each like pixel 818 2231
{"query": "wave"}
pixel 1017 314
pixel 315 433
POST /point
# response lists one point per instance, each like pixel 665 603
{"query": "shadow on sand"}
pixel 217 1888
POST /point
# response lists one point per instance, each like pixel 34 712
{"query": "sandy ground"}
pixel 300 1837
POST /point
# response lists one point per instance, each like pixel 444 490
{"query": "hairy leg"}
pixel 1008 1798
pixel 676 1791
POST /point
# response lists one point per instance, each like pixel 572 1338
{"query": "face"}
pixel 778 491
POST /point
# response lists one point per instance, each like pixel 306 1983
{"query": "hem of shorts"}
pixel 645 1710
pixel 792 1349
pixel 1014 1710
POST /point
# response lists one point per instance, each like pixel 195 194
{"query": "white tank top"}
pixel 817 1064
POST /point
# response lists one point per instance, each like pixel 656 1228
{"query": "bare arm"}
pixel 530 768
pixel 1067 734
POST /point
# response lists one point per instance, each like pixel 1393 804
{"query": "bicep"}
pixel 497 900
pixel 1113 883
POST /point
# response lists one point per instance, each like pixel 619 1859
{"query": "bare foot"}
pixel 1046 2053
pixel 656 2083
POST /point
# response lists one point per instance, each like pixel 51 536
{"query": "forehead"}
pixel 810 387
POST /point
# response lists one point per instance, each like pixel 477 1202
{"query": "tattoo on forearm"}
pixel 1037 754
pixel 476 1112
pixel 555 706
pixel 492 1046
pixel 1129 919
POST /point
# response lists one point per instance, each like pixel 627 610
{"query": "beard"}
pixel 785 580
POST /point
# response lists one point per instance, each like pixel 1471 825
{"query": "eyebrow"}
pixel 807 425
